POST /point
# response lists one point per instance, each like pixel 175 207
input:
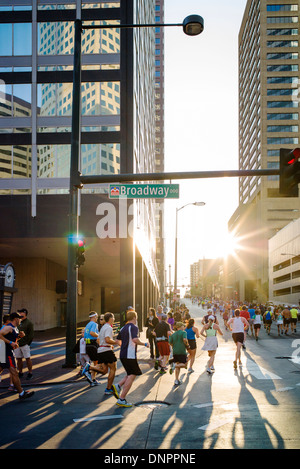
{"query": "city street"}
pixel 256 406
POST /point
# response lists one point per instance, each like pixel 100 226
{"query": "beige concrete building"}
pixel 268 121
pixel 284 265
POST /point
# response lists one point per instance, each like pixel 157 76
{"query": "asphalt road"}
pixel 255 407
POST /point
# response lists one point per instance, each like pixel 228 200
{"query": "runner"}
pixel 10 335
pixel 192 333
pixel 225 318
pixel 211 342
pixel 279 321
pixel 244 313
pixel 162 332
pixel 106 359
pixel 268 319
pixel 294 316
pixel 251 311
pixel 128 336
pixel 286 319
pixel 180 344
pixel 257 321
pixel 238 327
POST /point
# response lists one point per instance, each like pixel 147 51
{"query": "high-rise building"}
pixel 117 136
pixel 268 121
pixel 160 137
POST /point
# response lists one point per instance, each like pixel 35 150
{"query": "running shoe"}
pixel 172 368
pixel 116 388
pixel 156 364
pixel 234 365
pixel 190 370
pixel 93 382
pixel 108 392
pixel 209 371
pixel 26 395
pixel 176 382
pixel 163 371
pixel 123 403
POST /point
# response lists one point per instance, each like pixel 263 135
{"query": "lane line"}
pixel 105 417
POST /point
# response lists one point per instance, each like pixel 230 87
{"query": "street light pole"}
pixel 198 204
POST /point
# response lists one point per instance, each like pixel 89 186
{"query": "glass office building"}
pixel 268 121
pixel 117 136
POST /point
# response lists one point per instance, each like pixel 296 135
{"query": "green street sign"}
pixel 144 191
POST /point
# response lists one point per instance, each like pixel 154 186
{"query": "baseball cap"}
pixel 211 317
pixel 129 307
pixel 23 310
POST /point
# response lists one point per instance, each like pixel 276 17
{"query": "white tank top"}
pixel 238 325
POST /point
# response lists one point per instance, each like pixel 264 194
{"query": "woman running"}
pixel 279 321
pixel 237 325
pixel 192 332
pixel 211 341
pixel 257 321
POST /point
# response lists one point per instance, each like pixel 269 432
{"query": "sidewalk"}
pixel 48 351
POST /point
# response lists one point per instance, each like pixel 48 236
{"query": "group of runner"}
pixel 172 339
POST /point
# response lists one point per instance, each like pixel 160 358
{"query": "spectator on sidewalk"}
pixel 23 351
pixel 10 335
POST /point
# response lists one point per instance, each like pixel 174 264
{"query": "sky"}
pixel 201 128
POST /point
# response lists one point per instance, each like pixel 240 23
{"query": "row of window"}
pixel 282 32
pixel 282 19
pixel 282 43
pixel 283 116
pixel 283 128
pixel 282 7
pixel 55 38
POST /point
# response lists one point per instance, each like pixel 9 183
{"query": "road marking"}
pixel 259 372
pixel 105 417
pixel 216 424
pixel 284 389
pixel 209 404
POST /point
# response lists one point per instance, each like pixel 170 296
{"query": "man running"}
pixel 238 325
pixel 294 316
pixel 10 335
pixel 106 358
pixel 128 336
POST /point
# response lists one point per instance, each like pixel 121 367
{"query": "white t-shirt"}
pixel 237 324
pixel 105 331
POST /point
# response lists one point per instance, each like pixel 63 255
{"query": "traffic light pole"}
pixel 118 178
pixel 73 208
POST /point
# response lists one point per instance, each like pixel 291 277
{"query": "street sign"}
pixel 144 191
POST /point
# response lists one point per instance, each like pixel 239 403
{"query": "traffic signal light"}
pixel 289 172
pixel 80 248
